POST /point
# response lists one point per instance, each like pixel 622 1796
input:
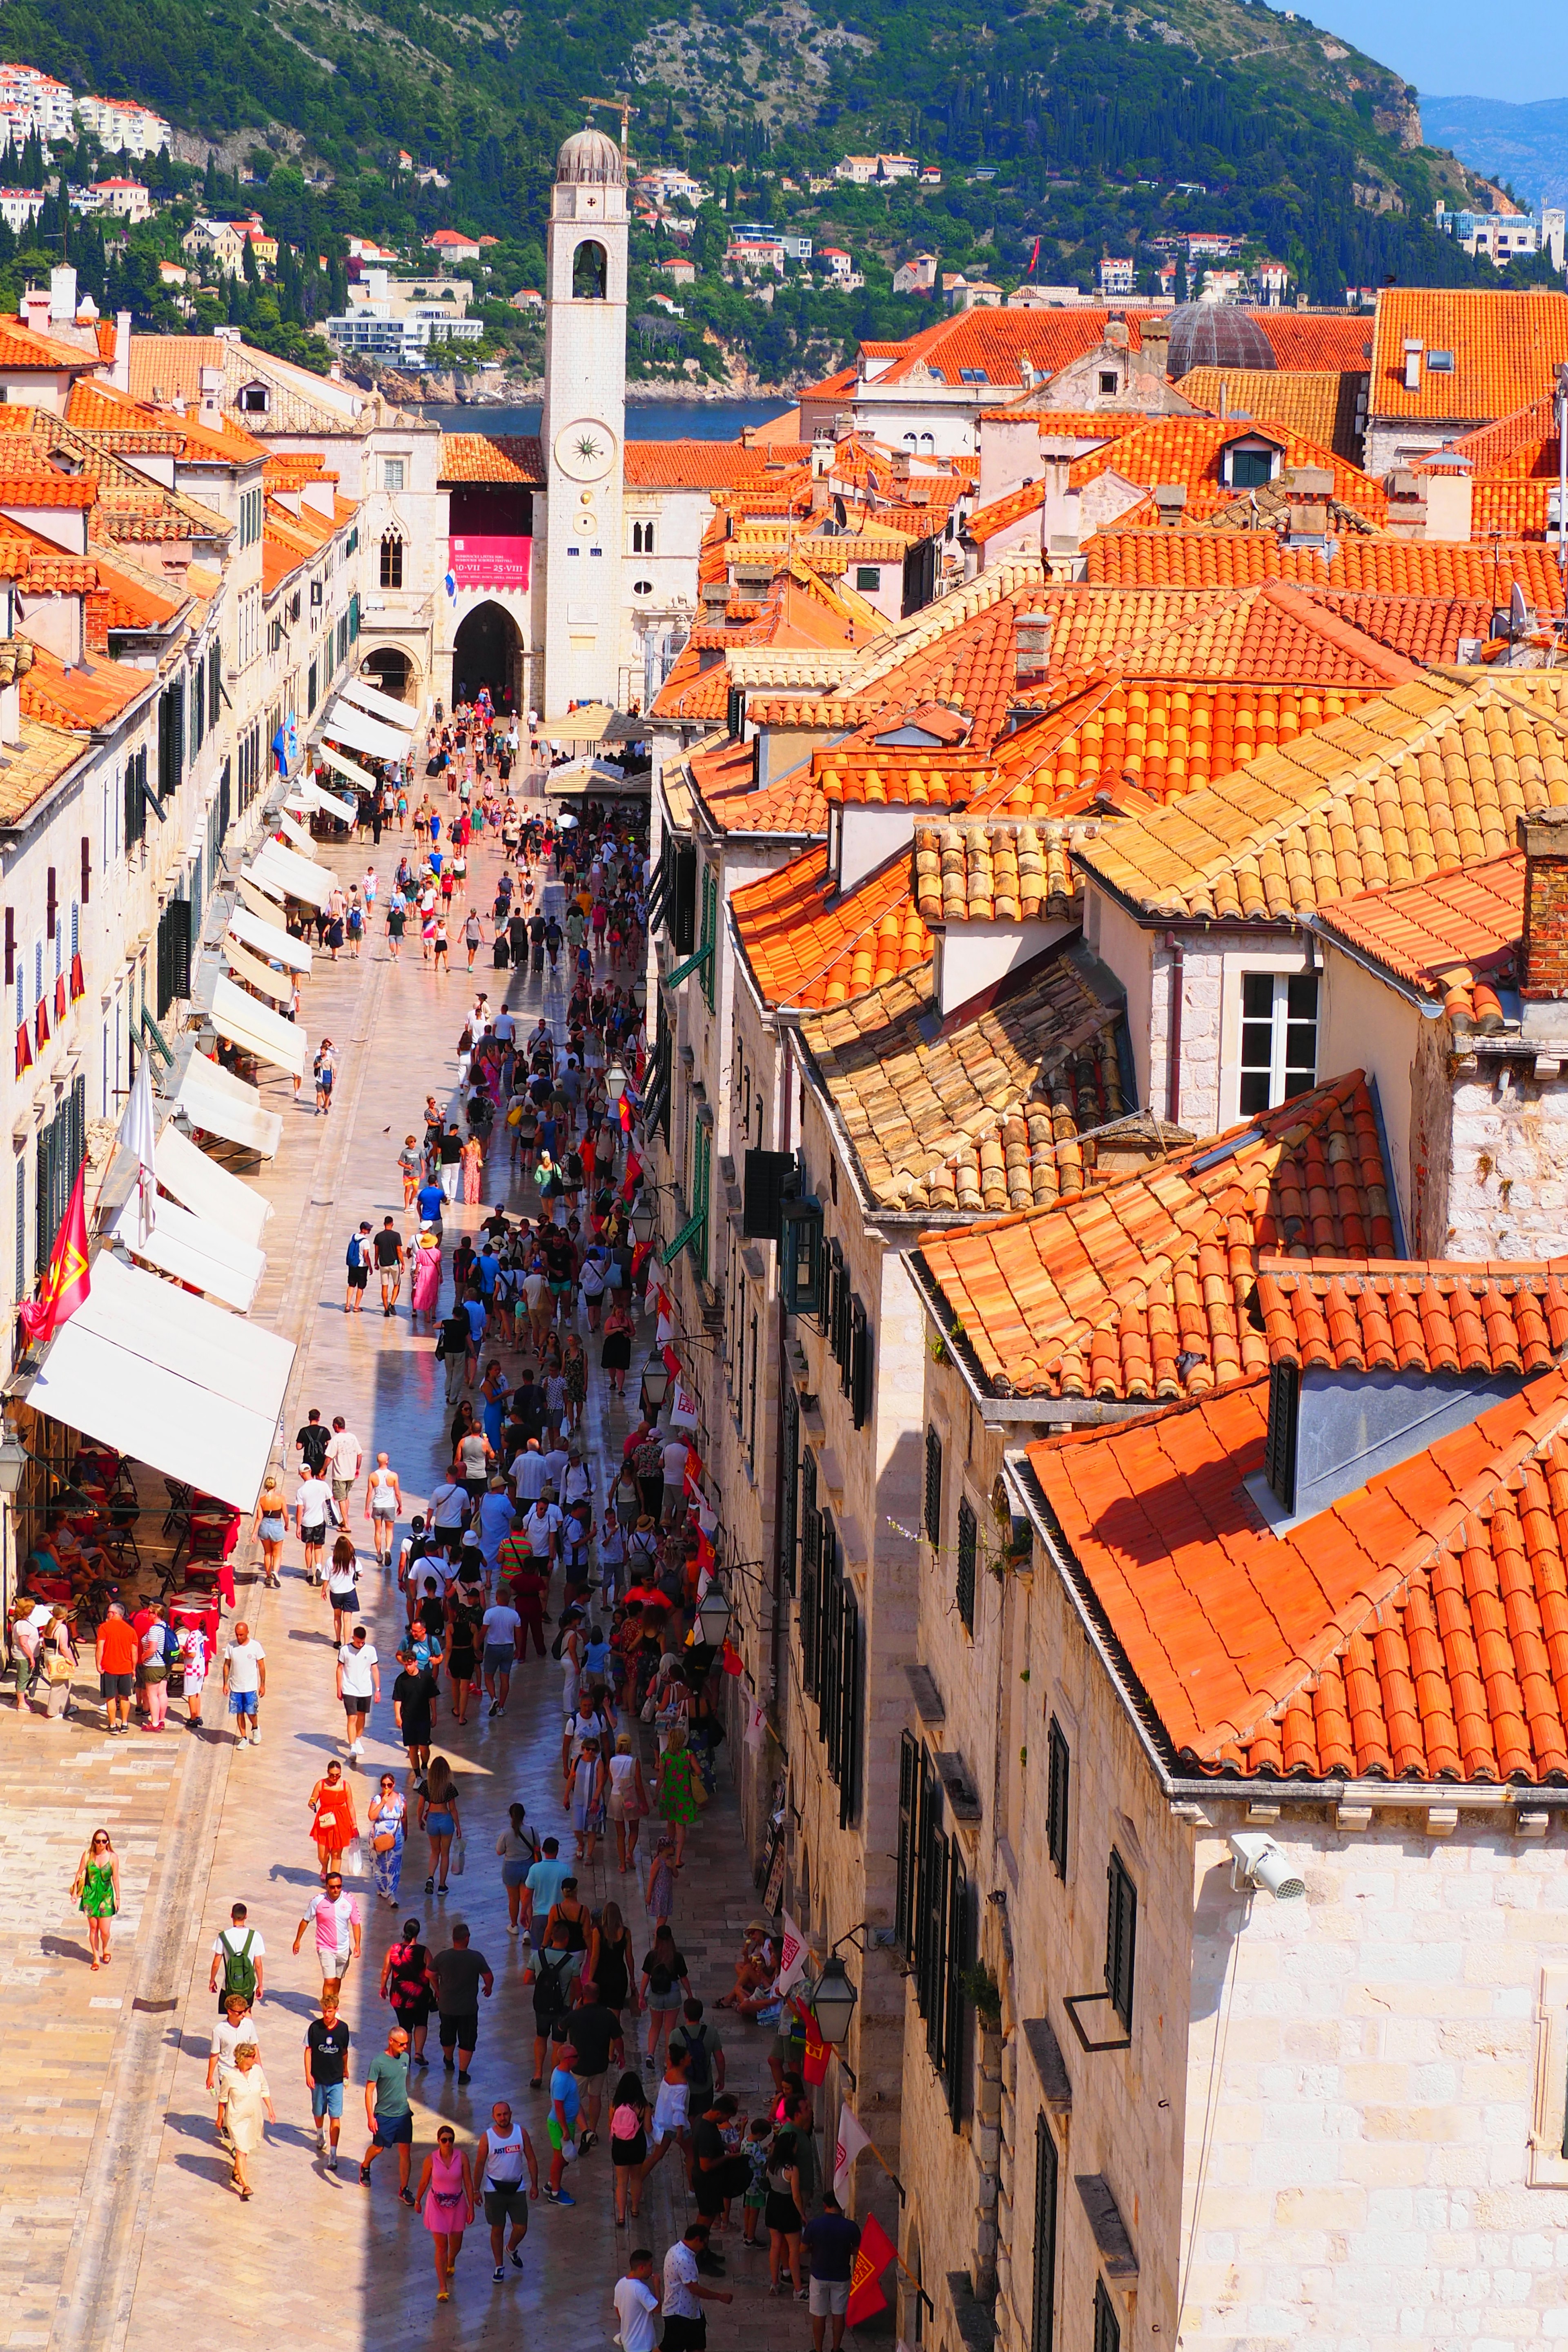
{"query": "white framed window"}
pixel 1278 1038
pixel 393 471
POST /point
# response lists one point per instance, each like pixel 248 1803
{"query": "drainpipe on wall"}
pixel 1178 955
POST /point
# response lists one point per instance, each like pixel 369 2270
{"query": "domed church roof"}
pixel 592 155
pixel 1217 334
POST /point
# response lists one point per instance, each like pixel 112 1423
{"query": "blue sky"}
pixel 1437 46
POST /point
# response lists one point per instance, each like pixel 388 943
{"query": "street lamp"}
pixel 655 1388
pixel 642 1222
pixel 615 1083
pixel 713 1617
pixel 833 2002
pixel 12 1462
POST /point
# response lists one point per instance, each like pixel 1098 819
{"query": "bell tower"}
pixel 584 425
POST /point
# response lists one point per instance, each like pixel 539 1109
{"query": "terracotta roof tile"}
pixel 1422 781
pixel 705 465
pixel 1517 509
pixel 1424 628
pixel 1354 1315
pixel 978 1112
pixel 995 341
pixel 723 775
pixel 1143 1289
pixel 1506 348
pixel 87 695
pixel 807 944
pixel 1319 404
pixel 503 458
pixel 1456 937
pixel 993 874
pixel 21 348
pixel 1195 558
pixel 1414 1630
pixel 1316 340
pixel 1189 450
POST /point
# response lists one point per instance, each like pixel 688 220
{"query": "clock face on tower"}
pixel 585 450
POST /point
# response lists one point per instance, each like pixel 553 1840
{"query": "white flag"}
pixel 757 1726
pixel 792 1958
pixel 138 1134
pixel 683 1413
pixel 851 2140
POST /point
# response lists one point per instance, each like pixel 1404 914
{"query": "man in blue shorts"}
pixel 388 2113
pixel 326 2069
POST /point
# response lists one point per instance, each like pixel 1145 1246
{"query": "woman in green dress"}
pixel 97 1891
pixel 679 1779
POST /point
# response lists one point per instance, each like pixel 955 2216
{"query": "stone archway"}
pixel 391 672
pixel 487 651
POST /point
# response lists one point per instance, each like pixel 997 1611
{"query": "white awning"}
pixel 346 767
pixel 295 832
pixel 381 705
pixel 194 1250
pixel 276 867
pixel 350 726
pixel 269 939
pixel 277 985
pixel 257 1030
pixel 184 1168
pixel 224 1107
pixel 266 910
pixel 586 724
pixel 170 1379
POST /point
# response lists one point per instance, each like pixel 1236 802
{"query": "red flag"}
pixel 67 1281
pixel 671 1362
pixel 729 1658
pixel 1033 259
pixel 78 985
pixel 60 998
pixel 875 2251
pixel 41 1022
pixel 24 1049
pixel 813 2065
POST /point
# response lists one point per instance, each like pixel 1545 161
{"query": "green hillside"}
pixel 1086 114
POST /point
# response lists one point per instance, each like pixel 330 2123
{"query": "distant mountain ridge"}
pixel 1525 145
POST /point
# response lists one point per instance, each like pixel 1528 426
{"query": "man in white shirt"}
pixel 685 2292
pixel 244 1683
pixel 334 1916
pixel 344 1454
pixel 359 1681
pixel 540 1527
pixel 528 1472
pixel 505 1027
pixel 637 2301
pixel 555 1463
pixel 677 1454
pixel 238 1952
pixel 502 1628
pixel 577 1480
pixel 313 1501
pixel 448 1504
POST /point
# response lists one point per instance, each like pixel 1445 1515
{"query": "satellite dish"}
pixel 1518 610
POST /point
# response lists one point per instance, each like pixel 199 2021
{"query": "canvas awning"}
pixel 601 777
pixel 213 1193
pixel 349 768
pixel 224 1107
pixel 265 909
pixel 170 1379
pixel 362 733
pixel 269 939
pixel 257 974
pixel 257 1030
pixel 276 867
pixel 295 833
pixel 586 725
pixel 195 1251
pixel 379 704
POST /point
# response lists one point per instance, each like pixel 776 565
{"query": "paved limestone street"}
pixel 117 2227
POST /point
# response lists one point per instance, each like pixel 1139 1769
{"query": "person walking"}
pixel 153 1667
pixel 332 1804
pixel 388 2116
pixel 782 2215
pixel 501 1628
pixel 391 1256
pixel 96 1892
pixel 383 1506
pixel 676 1800
pixel 831 2241
pixel 686 2292
pixel 344 1455
pixel 334 1916
pixel 456 1977
pixel 446 2203
pixel 239 1956
pixel 234 2026
pixel 518 1850
pixel 357 1260
pixel 637 2301
pixel 244 1683
pixel 327 2040
pixel 117 1649
pixel 665 1986
pixel 405 1983
pixel 388 1818
pixel 503 2154
pixel 358 1684
pixel 626 1801
pixel 240 2115
pixel 440 1820
pixel 629 2119
pixel 414 1696
pixel 312 1507
pixel 343 1587
pixel 269 1527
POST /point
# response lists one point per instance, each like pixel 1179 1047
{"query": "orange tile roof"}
pixel 1410 567
pixel 995 341
pixel 991 873
pixel 705 465
pixel 1350 1315
pixel 1143 1290
pixel 1506 350
pixel 693 688
pixel 1522 443
pixel 1317 404
pixel 127 600
pixel 1423 628
pixel 21 349
pixel 1194 558
pixel 860 774
pixel 1318 340
pixel 1413 1631
pixel 26 484
pixel 1190 450
pixel 723 775
pixel 989 523
pixel 503 458
pixel 1422 781
pixel 99 407
pixel 807 944
pixel 1518 510
pixel 1455 938
pixel 931 1120
pixel 1068 424
pixel 88 695
pixel 1383 567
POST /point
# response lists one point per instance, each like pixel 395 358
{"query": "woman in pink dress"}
pixel 473 1170
pixel 425 1297
pixel 446 2200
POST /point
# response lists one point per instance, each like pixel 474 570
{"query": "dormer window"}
pixel 254 399
pixel 1251 466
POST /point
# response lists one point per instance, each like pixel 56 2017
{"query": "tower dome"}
pixel 1217 334
pixel 593 157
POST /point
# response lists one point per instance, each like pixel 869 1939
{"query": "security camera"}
pixel 1257 1860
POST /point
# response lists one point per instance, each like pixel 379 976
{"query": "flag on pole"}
pixel 138 1134
pixel 67 1281
pixel 851 2140
pixel 683 1413
pixel 792 1956
pixel 814 2064
pixel 757 1726
pixel 875 2251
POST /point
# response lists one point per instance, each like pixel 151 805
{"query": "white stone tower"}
pixel 584 419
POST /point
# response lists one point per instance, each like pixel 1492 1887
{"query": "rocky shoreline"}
pixel 490 389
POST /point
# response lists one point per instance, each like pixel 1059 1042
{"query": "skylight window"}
pixel 973 375
pixel 1440 363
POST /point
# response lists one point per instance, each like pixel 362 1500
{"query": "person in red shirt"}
pixel 117 1648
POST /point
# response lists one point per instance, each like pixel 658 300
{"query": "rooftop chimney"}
pixel 1413 350
pixel 120 376
pixel 1032 643
pixel 62 292
pixel 211 379
pixel 1154 334
pixel 1543 956
pixel 34 310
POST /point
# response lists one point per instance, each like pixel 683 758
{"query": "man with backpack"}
pixel 238 1953
pixel 357 1260
pixel 705 2050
